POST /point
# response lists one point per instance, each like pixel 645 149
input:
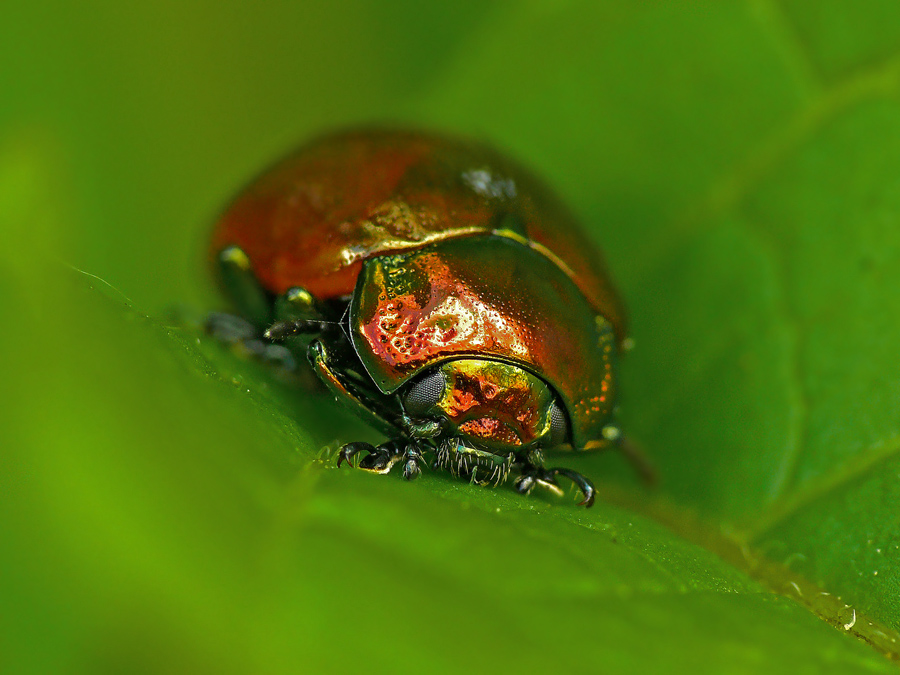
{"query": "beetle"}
pixel 442 292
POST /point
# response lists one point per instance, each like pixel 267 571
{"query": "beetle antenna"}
pixel 636 456
pixel 345 322
pixel 614 439
pixel 281 330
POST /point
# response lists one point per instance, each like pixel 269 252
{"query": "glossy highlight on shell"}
pixel 442 293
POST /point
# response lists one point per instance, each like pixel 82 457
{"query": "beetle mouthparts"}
pixel 479 466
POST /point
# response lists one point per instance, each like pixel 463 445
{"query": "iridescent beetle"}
pixel 451 301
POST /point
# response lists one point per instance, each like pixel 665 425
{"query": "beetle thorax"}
pixel 492 404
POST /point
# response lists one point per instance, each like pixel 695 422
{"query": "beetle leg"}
pixel 296 310
pixel 411 469
pixel 538 476
pixel 240 283
pixel 421 428
pixel 244 337
pixel 365 404
pixel 243 331
pixel 297 303
pixel 583 483
pixel 230 328
pixel 534 473
pixel 638 459
pixel 350 450
pixel 382 459
pixel 613 439
pixel 524 484
pixel 378 460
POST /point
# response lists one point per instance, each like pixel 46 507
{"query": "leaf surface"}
pixel 163 503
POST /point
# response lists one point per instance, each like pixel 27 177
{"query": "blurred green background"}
pixel 166 507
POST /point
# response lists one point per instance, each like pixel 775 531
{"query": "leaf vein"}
pixel 825 485
pixel 798 58
pixel 787 314
pixel 729 192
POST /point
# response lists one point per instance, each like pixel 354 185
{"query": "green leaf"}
pixel 170 514
pixel 167 507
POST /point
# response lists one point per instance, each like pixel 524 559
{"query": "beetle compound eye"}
pixel 559 426
pixel 424 393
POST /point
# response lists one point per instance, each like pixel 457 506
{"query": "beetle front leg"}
pixel 243 288
pixel 582 482
pixel 332 373
pixel 613 439
pixel 537 476
pixel 412 468
pixel 378 460
pixel 382 459
pixel 294 312
pixel 534 473
pixel 256 308
pixel 350 450
pixel 243 337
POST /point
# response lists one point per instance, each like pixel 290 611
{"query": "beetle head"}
pixel 493 404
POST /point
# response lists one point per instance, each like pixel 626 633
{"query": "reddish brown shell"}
pixel 315 217
pixel 486 297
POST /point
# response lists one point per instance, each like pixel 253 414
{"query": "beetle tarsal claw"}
pixel 524 484
pixel 583 484
pixel 377 460
pixel 377 463
pixel 348 451
pixel 383 458
pixel 412 469
pixel 548 483
pixel 546 478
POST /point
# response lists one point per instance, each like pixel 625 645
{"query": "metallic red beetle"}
pixel 449 298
